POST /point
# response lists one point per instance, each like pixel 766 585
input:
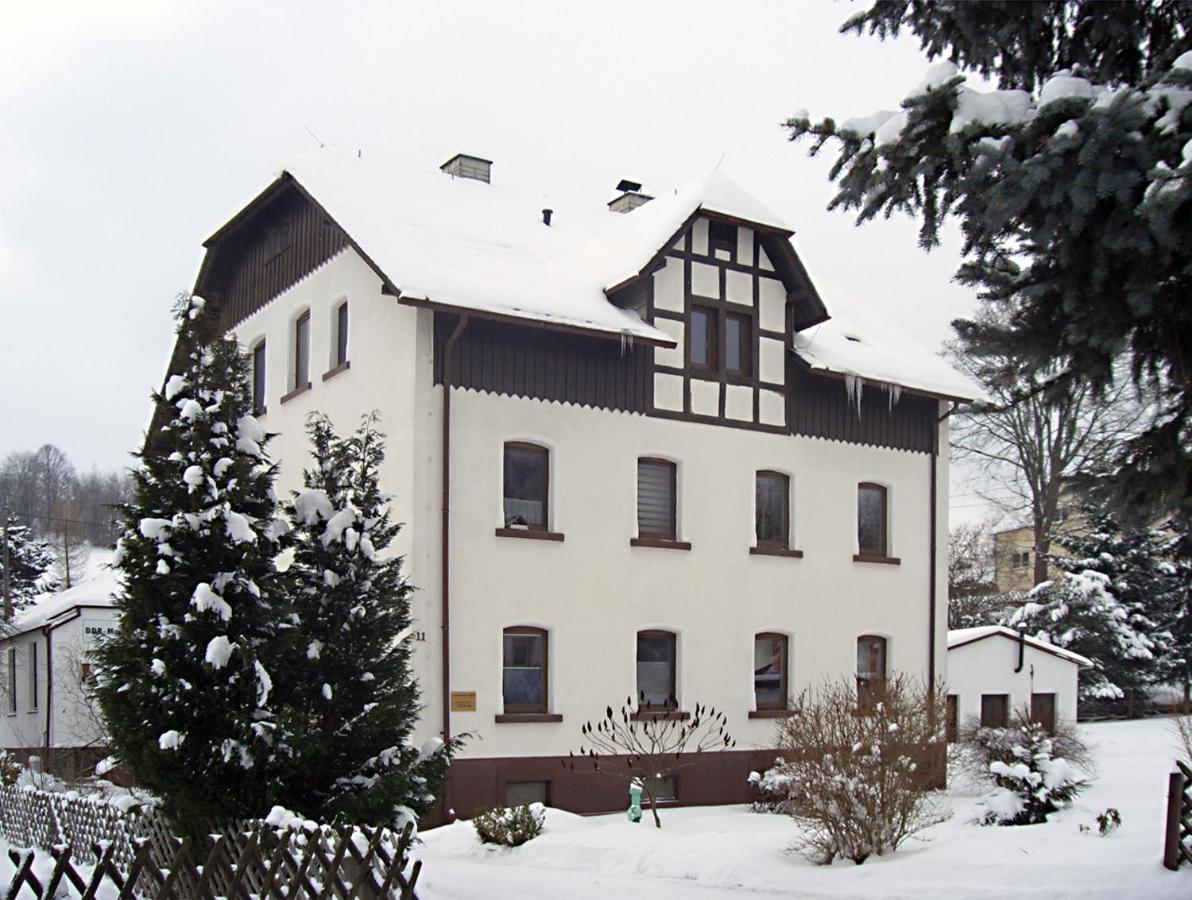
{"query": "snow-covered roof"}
pixel 95 588
pixel 858 341
pixel 958 637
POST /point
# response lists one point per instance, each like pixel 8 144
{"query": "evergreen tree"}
pixel 352 689
pixel 1078 612
pixel 1133 564
pixel 1175 605
pixel 1072 186
pixel 29 561
pixel 185 685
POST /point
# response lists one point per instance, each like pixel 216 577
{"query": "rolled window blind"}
pixel 655 499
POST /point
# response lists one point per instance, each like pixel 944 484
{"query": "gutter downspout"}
pixel 445 549
pixel 1021 651
pixel 931 553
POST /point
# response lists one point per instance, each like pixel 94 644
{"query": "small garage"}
pixel 994 671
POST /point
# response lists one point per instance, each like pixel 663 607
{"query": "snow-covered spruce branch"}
pixel 649 743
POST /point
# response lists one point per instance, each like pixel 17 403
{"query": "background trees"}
pixel 1071 187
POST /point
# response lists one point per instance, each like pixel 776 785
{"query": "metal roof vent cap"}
pixel 464 166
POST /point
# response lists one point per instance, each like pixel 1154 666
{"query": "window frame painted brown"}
pixel 744 372
pixel 951 719
pixel 785 542
pixel 528 709
pixel 12 681
pixel 1003 717
pixel 673 536
pixel 341 334
pixel 711 361
pixel 672 703
pixel 259 372
pixel 884 551
pixel 301 378
pixel 33 686
pixel 870 688
pixel 527 446
pixel 784 693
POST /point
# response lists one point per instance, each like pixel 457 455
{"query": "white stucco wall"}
pixel 74 722
pixel 987 667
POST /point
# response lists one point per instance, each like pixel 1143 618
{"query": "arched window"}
pixel 656 483
pixel 302 351
pixel 524 670
pixel 871 669
pixel 772 514
pixel 872 519
pixel 258 377
pixel 656 658
pixel 527 486
pixel 770 666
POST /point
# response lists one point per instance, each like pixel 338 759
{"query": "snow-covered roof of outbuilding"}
pixel 95 589
pixel 858 341
pixel 958 637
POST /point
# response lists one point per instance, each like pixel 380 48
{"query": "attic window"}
pixel 721 236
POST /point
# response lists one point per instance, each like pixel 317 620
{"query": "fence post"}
pixel 1171 843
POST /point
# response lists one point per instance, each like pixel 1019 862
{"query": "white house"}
pixel 666 465
pixel 994 671
pixel 45 660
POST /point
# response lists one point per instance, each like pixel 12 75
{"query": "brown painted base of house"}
pixel 71 763
pixel 705 779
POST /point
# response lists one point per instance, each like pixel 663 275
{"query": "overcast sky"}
pixel 129 131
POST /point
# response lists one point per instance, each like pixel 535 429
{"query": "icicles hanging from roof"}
pixel 893 394
pixel 626 342
pixel 853 385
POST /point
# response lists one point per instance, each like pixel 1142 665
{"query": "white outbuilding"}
pixel 994 671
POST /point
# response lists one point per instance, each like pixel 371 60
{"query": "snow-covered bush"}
pixel 770 791
pixel 979 746
pixel 1030 780
pixel 10 769
pixel 510 826
pixel 861 779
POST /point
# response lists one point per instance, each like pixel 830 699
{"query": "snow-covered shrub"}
pixel 1182 725
pixel 770 791
pixel 1108 822
pixel 510 826
pixel 978 746
pixel 1030 780
pixel 860 779
pixel 10 769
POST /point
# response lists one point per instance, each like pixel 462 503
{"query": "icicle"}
pixel 853 385
pixel 626 342
pixel 893 393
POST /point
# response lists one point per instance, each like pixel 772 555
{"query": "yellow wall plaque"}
pixel 463 701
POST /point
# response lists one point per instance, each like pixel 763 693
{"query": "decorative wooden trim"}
pixel 773 335
pixel 301 389
pixel 872 558
pixel 533 534
pixel 773 713
pixel 660 543
pixel 526 718
pixel 716 420
pixel 661 715
pixel 775 551
pixel 668 314
pixel 342 367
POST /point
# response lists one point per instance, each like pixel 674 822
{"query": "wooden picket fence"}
pixel 85 848
pixel 1177 844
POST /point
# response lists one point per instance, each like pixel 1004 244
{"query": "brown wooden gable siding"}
pixel 524 361
pixel 818 406
pixel 245 271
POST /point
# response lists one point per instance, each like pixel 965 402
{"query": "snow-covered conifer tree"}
pixel 1079 612
pixel 185 685
pixel 352 689
pixel 29 562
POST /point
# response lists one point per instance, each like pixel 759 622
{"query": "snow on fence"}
pixel 85 848
pixel 1177 848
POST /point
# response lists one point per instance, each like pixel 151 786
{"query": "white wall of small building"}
pixel 74 720
pixel 987 666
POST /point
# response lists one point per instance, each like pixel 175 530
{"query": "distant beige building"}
pixel 1014 548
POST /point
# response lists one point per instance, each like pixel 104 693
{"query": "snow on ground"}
pixel 722 851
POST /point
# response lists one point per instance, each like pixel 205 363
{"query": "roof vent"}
pixel 463 166
pixel 546 214
pixel 630 196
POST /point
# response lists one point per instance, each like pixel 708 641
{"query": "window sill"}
pixel 533 534
pixel 661 543
pixel 660 715
pixel 773 713
pixel 874 558
pixel 520 718
pixel 342 367
pixel 775 551
pixel 301 389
